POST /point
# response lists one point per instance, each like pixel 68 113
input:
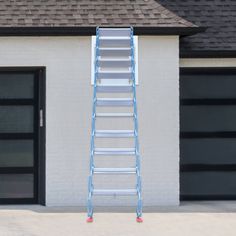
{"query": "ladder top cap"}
pixel 123 28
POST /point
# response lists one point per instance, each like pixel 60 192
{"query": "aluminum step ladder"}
pixel 114 61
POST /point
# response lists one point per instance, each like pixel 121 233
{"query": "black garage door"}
pixel 21 150
pixel 208 134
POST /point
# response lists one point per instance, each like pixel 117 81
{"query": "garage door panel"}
pixel 208 151
pixel 207 86
pixel 16 153
pixel 208 183
pixel 208 133
pixel 208 118
pixel 16 186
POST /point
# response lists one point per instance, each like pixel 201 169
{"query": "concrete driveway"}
pixel 190 219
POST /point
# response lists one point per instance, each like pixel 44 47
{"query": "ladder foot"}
pixel 139 219
pixel 89 220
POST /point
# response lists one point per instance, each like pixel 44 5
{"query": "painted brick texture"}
pixel 68 116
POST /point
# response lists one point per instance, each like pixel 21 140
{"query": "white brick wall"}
pixel 158 107
pixel 68 102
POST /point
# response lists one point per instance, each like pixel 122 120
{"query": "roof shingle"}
pixel 76 13
pixel 219 16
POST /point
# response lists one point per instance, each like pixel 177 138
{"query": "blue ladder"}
pixel 114 61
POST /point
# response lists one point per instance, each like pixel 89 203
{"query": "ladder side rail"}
pixel 90 180
pixel 94 95
pixel 139 188
pixel 94 103
pixel 135 101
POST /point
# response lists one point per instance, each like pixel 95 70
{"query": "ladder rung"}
pixel 117 37
pixel 114 133
pixel 114 171
pixel 112 51
pixel 114 115
pixel 115 101
pixel 114 151
pixel 114 74
pixel 121 192
pixel 117 41
pixel 114 62
pixel 114 88
pixel 114 31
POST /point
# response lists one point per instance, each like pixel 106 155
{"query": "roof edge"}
pixel 182 31
pixel 208 54
pixel 88 31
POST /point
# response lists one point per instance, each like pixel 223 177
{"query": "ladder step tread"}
pixel 114 74
pixel 114 133
pixel 115 192
pixel 113 51
pixel 114 151
pixel 114 88
pixel 111 62
pixel 114 115
pixel 118 149
pixel 115 77
pixel 114 101
pixel 114 59
pixel 115 41
pixel 115 170
pixel 115 32
pixel 114 29
pixel 114 37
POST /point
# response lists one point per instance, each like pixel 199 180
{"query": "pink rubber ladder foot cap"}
pixel 139 219
pixel 89 220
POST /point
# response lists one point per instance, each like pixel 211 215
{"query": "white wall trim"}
pixel 208 62
pixel 93 49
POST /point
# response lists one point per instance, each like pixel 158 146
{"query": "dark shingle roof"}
pixel 219 16
pixel 76 13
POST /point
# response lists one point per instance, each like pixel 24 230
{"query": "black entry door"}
pixel 20 135
pixel 208 134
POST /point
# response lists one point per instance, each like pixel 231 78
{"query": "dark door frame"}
pixel 39 103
